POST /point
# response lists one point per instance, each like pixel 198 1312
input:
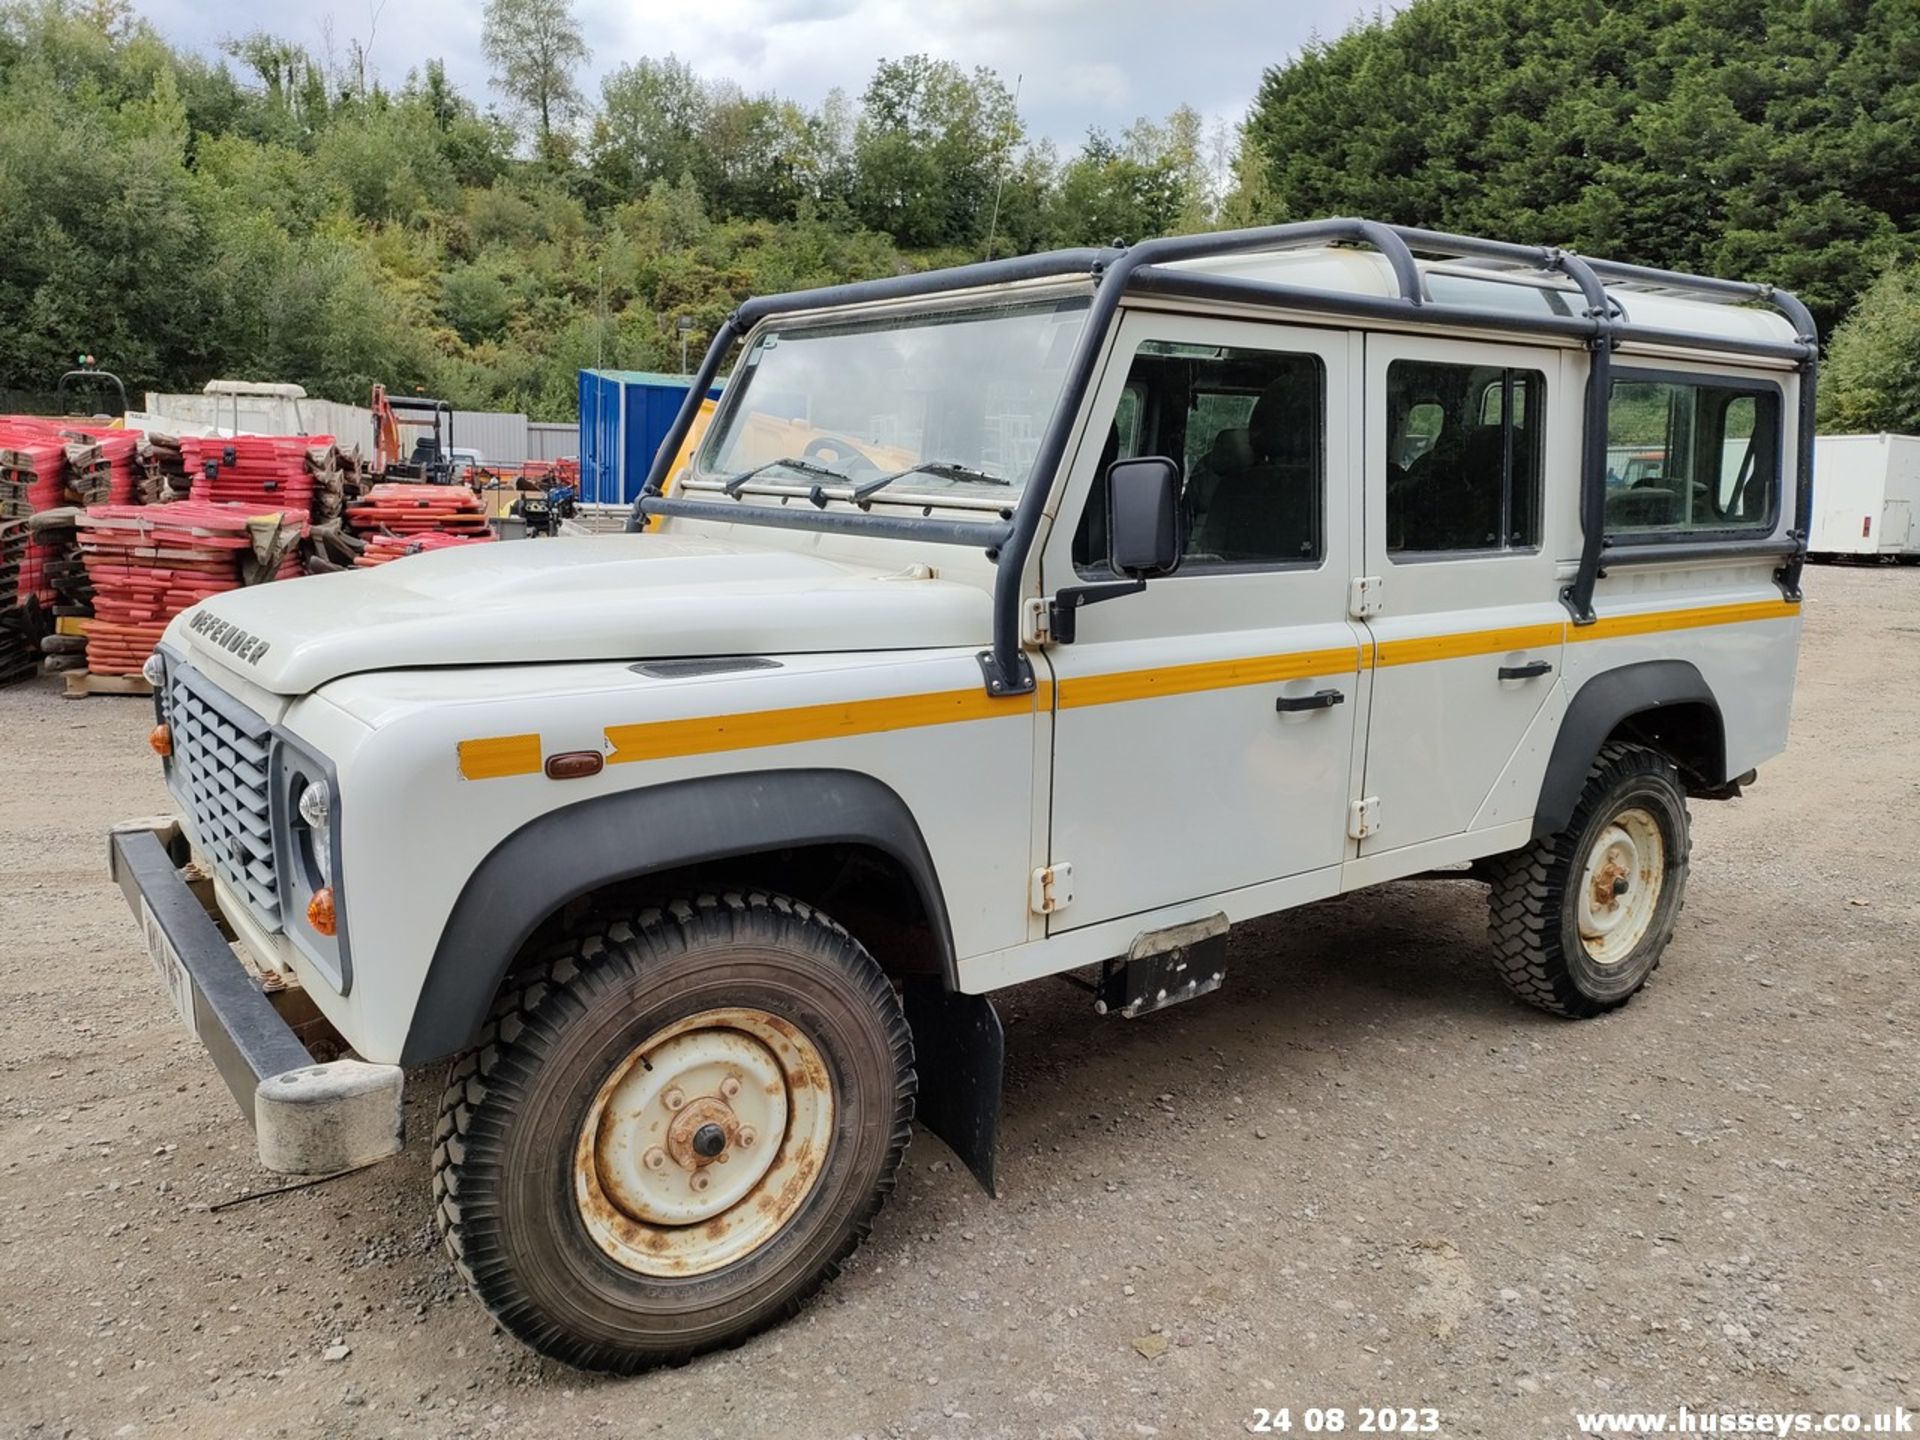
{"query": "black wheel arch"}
pixel 1664 704
pixel 577 849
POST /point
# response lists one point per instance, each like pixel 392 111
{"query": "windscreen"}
pixel 965 393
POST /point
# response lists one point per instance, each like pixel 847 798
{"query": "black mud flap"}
pixel 960 1052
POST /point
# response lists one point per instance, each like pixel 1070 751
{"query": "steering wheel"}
pixel 827 447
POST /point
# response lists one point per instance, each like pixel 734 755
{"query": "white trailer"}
pixel 1866 496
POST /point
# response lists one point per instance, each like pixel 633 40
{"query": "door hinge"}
pixel 1052 889
pixel 1363 596
pixel 1363 818
pixel 1034 615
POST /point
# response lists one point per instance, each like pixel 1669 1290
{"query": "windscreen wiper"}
pixel 789 462
pixel 943 469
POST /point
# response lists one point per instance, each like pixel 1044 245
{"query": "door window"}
pixel 1248 429
pixel 1463 457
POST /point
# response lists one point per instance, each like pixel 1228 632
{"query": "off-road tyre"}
pixel 515 1106
pixel 1534 921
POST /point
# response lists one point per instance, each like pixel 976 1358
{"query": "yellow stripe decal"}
pixel 1208 675
pixel 500 755
pixel 706 734
pixel 1609 627
pixel 1527 637
pixel 710 734
pixel 1473 642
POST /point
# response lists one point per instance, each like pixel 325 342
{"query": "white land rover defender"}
pixel 698 849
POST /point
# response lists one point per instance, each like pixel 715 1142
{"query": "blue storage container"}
pixel 624 416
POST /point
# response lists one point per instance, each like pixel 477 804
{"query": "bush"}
pixel 1871 380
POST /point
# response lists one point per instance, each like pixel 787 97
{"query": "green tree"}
pixel 1770 139
pixel 534 47
pixel 1118 192
pixel 386 159
pixel 652 116
pixel 1871 380
pixel 928 149
pixel 1249 199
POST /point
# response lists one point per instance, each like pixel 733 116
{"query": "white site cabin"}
pixel 1045 617
pixel 1866 497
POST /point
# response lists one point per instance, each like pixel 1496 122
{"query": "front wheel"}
pixel 674 1130
pixel 1579 919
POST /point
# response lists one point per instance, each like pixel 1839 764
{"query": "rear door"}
pixel 1466 622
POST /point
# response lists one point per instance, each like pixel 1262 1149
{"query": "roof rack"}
pixel 1151 268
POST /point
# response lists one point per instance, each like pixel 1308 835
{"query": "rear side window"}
pixel 1687 455
pixel 1463 457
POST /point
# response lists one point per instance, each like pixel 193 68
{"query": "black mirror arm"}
pixel 1065 606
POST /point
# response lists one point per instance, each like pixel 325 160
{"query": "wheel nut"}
pixel 730 1087
pixel 655 1158
pixel 674 1099
pixel 747 1135
pixel 700 1180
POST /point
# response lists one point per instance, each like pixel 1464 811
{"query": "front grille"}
pixel 219 773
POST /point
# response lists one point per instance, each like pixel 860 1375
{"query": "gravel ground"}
pixel 1361 1175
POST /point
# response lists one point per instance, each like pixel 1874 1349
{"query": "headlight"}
pixel 315 808
pixel 154 672
pixel 305 806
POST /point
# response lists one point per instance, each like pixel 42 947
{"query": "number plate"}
pixel 166 961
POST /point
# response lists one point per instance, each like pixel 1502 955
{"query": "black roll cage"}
pixel 1143 270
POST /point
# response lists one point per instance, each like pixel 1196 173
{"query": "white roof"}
pixel 1354 271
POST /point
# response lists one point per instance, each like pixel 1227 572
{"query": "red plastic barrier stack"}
pixel 21 627
pixel 100 464
pixel 148 563
pixel 13 550
pixel 382 549
pixel 252 469
pixel 33 477
pixel 164 476
pixel 399 508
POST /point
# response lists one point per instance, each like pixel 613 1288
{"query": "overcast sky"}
pixel 1084 62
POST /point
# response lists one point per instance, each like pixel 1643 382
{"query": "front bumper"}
pixel 308 1118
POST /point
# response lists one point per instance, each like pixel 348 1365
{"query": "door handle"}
pixel 1532 670
pixel 1319 700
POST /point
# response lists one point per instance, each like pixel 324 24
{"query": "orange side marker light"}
pixel 161 739
pixel 320 911
pixel 575 764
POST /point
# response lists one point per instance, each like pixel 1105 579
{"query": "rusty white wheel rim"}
pixel 1620 886
pixel 704 1142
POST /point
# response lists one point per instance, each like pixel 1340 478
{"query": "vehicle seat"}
pixel 1649 501
pixel 1474 520
pixel 1440 505
pixel 1265 511
pixel 1230 454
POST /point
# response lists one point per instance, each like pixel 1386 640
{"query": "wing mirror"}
pixel 1145 524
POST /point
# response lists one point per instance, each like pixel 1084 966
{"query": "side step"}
pixel 1164 967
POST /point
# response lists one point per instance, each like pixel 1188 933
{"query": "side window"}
pixel 1246 427
pixel 1464 450
pixel 1689 455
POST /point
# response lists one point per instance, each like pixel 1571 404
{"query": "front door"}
pixel 1461 549
pixel 1204 727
